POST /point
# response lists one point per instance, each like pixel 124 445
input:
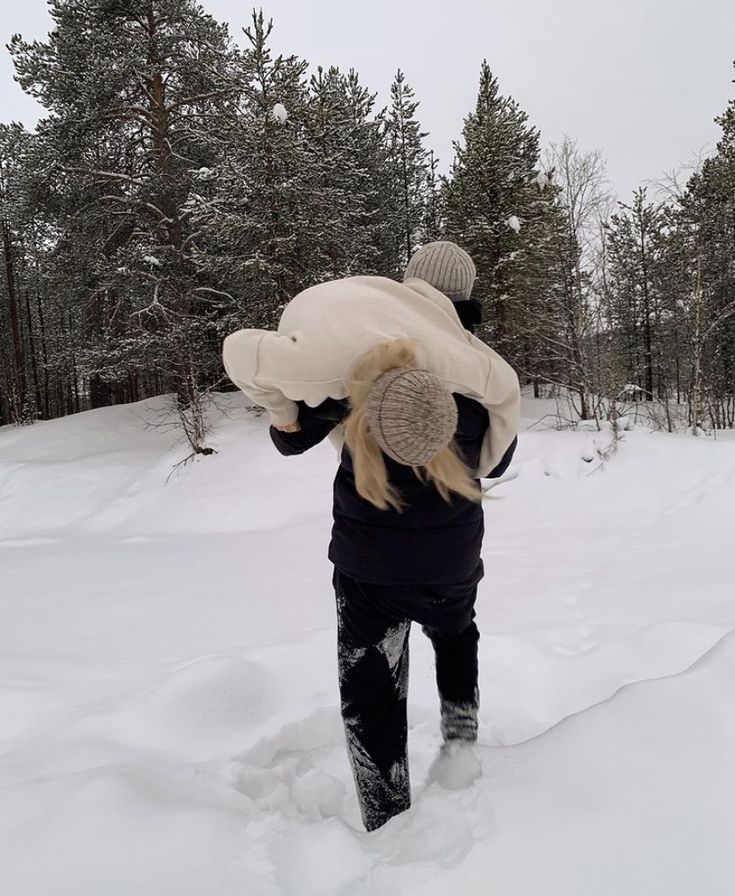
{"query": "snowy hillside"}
pixel 168 704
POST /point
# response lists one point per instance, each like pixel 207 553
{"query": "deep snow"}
pixel 168 705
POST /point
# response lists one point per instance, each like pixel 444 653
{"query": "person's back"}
pixel 389 546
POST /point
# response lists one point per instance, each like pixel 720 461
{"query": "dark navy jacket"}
pixel 430 542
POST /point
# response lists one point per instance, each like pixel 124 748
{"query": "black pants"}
pixel 373 623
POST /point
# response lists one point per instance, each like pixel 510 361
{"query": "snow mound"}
pixel 198 711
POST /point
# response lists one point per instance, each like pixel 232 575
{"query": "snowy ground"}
pixel 168 707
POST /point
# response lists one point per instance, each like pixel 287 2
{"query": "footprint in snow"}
pixel 299 772
pixel 293 788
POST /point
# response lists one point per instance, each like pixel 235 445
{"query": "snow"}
pixel 514 223
pixel 280 113
pixel 542 180
pixel 169 719
pixel 152 260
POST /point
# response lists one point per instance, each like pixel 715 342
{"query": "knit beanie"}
pixel 444 266
pixel 412 415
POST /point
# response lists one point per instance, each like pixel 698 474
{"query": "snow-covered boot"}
pixel 456 766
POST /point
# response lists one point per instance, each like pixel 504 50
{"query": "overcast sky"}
pixel 642 81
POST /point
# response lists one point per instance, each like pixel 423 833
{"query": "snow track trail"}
pixel 169 720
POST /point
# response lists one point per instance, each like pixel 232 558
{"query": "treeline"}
pixel 180 186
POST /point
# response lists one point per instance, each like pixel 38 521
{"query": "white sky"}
pixel 642 81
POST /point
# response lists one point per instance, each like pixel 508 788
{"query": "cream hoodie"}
pixel 325 329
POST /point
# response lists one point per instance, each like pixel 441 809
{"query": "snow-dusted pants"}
pixel 373 624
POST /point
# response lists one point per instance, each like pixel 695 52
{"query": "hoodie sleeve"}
pixel 241 357
pixel 502 467
pixel 315 425
pixel 502 398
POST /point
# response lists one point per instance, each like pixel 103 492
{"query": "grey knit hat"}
pixel 444 266
pixel 412 415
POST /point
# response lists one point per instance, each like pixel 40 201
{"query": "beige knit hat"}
pixel 412 415
pixel 444 266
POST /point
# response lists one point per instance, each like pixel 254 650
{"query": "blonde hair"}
pixel 446 471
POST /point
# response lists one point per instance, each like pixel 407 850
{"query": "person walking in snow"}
pixel 424 414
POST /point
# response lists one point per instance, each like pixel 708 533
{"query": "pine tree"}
pixel 132 88
pixel 499 210
pixel 432 225
pixel 635 256
pixel 177 189
pixel 706 227
pixel 300 193
pixel 24 346
pixel 13 379
pixel 351 149
pixel 375 239
pixel 259 218
pixel 412 170
pixel 331 132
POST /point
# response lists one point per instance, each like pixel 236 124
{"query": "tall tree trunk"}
pixel 34 360
pixel 44 353
pixel 647 335
pixel 18 399
pixel 695 405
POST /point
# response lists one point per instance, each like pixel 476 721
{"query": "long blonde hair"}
pixel 446 471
